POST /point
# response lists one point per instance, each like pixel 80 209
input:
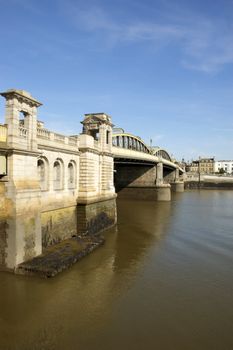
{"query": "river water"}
pixel 163 280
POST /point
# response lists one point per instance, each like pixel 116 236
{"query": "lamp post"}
pixel 199 171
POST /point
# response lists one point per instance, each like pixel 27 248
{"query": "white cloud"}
pixel 205 43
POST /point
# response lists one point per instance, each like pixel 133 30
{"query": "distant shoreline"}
pixel 196 181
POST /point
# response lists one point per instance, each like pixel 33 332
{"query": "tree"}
pixel 221 171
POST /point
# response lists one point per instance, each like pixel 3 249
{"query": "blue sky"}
pixel 162 69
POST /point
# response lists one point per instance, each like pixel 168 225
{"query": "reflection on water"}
pixel 163 280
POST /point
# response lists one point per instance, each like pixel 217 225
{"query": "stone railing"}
pixel 72 141
pixel 59 138
pixel 23 132
pixel 43 133
pixel 3 133
pixel 55 137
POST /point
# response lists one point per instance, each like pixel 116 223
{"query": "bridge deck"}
pixel 129 154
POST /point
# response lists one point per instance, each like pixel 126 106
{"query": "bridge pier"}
pixel 138 181
pixel 177 185
pixel 163 190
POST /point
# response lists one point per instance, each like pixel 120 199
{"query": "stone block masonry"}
pixel 54 183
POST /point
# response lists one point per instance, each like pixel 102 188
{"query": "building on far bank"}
pixel 206 165
pixel 192 167
pixel 225 165
pixel 202 165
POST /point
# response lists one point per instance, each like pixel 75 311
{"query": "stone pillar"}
pixel 12 121
pixel 24 209
pixel 22 187
pixel 99 127
pixel 96 208
pixel 177 185
pixel 159 176
pixel 30 123
pixel 163 190
pixel 24 135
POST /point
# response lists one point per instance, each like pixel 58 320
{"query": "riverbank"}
pixel 191 185
pixel 196 181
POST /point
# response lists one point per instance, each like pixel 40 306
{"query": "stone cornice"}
pixel 10 151
pixel 22 96
pixel 88 149
pixel 109 154
pixel 91 150
pixel 56 149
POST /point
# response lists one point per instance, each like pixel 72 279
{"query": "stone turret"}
pixel 99 126
pixel 21 102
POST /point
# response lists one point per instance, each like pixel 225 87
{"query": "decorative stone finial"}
pixel 21 95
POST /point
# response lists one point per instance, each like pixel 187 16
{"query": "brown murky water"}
pixel 163 280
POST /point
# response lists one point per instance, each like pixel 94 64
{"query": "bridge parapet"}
pixel 49 138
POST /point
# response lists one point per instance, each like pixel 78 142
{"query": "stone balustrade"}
pixel 59 138
pixel 44 134
pixel 23 132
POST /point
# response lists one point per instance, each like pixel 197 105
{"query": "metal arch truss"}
pixel 135 143
pixel 131 142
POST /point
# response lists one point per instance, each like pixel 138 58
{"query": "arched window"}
pixel 57 175
pixel 71 175
pixel 42 169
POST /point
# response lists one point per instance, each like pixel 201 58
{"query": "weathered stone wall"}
pixel 58 225
pixel 3 226
pixel 95 217
pixel 24 207
pixel 48 174
pixel 169 175
pixel 134 176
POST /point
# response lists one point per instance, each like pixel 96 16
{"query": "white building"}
pixel 226 165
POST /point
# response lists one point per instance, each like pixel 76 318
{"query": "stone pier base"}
pixel 95 217
pixel 152 193
pixel 163 192
pixel 177 186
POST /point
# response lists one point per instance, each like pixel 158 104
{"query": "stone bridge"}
pixel 55 186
